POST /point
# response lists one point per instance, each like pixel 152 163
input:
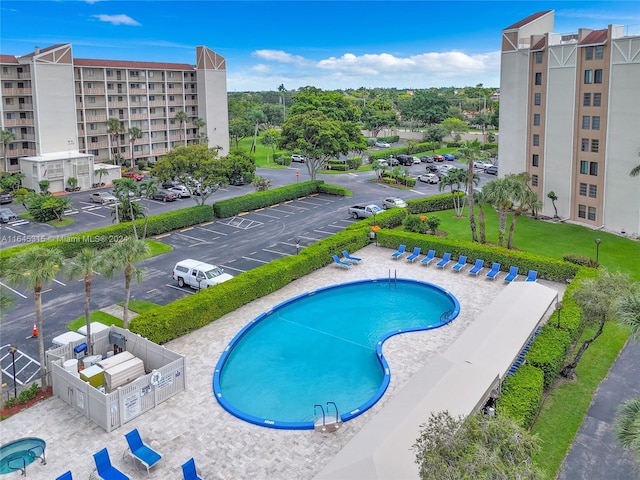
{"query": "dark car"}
pixel 5 197
pixel 426 159
pixel 393 162
pixel 405 159
pixel 165 196
pixel 170 183
pixel 438 158
pixel 432 168
pixel 492 170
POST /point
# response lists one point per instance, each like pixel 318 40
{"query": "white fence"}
pixel 165 376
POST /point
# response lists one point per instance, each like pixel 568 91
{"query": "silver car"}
pixel 102 198
pixel 393 202
pixel 6 215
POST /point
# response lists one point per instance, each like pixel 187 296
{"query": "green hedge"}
pixel 521 395
pixel 101 238
pixel 234 206
pixel 195 311
pixel 334 190
pixel 431 204
pixel 549 350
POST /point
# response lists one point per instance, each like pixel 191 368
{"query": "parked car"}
pixel 393 162
pixel 180 190
pixel 393 202
pixel 382 145
pixel 5 197
pixel 486 165
pixel 6 215
pixel 449 156
pixel 102 197
pixel 383 163
pixel 165 196
pixel 135 175
pixel 131 194
pixel 364 211
pixel 405 160
pixel 432 168
pixel 416 160
pixel 479 164
pixel 197 274
pixel 170 183
pixel 438 158
pixel 426 159
pixel 296 157
pixel 428 178
pixel 492 170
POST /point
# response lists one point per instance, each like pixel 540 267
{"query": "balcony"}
pixel 171 91
pixel 157 103
pixel 16 122
pixel 191 102
pixel 118 104
pixel 138 116
pixel 159 151
pixel 97 145
pixel 96 118
pixel 94 91
pixel 157 128
pixel 139 91
pixel 16 91
pixel 27 137
pixel 21 152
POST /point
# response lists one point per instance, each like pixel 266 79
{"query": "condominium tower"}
pixel 55 103
pixel 570 117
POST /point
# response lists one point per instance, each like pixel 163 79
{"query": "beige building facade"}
pixel 570 117
pixel 53 102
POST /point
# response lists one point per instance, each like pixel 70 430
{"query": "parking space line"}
pixel 14 230
pixel 314 239
pixel 336 226
pixel 14 291
pixel 180 289
pixel 91 213
pixel 213 231
pixel 45 291
pixel 231 268
pixel 322 231
pixel 199 240
pixel 255 260
pixel 276 252
pixel 18 223
pixel 59 282
pixel 265 215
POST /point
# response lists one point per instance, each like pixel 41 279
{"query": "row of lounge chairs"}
pixel 347 261
pixel 138 450
pixel 462 264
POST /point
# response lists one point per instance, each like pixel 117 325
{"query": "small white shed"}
pixel 57 167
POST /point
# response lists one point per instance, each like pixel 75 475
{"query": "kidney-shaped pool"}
pixel 324 346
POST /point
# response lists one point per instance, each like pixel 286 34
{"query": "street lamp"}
pixel 12 351
pixel 597 248
pixel 199 278
pixel 297 245
pixel 558 309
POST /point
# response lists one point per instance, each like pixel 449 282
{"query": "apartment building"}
pixel 54 103
pixel 570 117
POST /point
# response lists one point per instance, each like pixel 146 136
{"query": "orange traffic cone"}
pixel 35 330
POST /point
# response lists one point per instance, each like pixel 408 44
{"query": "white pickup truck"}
pixel 362 211
pixel 197 274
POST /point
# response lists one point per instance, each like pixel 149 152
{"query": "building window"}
pixel 595 145
pixel 93 126
pixel 89 72
pixel 538 57
pixel 597 99
pixel 593 191
pixel 588 53
pixel 593 169
pixel 585 145
pixel 535 160
pixel 536 140
pixel 583 190
pixel 171 86
pixel 599 52
pixel 582 211
pixel 172 98
pixel 8 85
pixel 536 119
pixel 534 180
pixel 584 167
pixel 595 122
pixel 592 214
pixel 94 139
pixel 597 76
pixel 588 76
pixel 537 98
pixel 586 122
pixel 586 100
pixel 538 78
pixel 92 99
pixel 109 73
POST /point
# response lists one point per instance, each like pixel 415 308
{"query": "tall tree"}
pixel 498 194
pixel 553 197
pixel 35 268
pixel 270 139
pixel 598 298
pixel 182 117
pixel 455 179
pixel 523 199
pixel 239 128
pixel 134 134
pixel 115 129
pixel 6 137
pixel 469 152
pixel 122 256
pixel 282 91
pixel 455 127
pixel 480 199
pixel 125 190
pixel 200 124
pixel 378 114
pixel 334 105
pixel 627 426
pixel 148 188
pixel 256 117
pixel 84 265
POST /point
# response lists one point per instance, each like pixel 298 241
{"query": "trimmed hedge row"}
pixel 548 351
pixel 431 204
pixel 234 206
pixel 334 190
pixel 195 311
pixel 101 238
pixel 521 395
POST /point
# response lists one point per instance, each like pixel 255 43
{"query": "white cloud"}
pixel 279 56
pixel 261 68
pixel 118 19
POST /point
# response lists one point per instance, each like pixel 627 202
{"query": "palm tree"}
pixel 121 256
pixel 199 124
pixel 6 137
pixel 256 117
pixel 627 428
pixel 182 117
pixel 469 152
pixel 523 199
pixel 148 188
pixel 100 172
pixel 629 313
pixel 281 89
pixel 480 199
pixel 134 134
pixel 455 179
pixel 34 268
pixel 498 194
pixel 114 127
pixel 124 189
pixel 84 265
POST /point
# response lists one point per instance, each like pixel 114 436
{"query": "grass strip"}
pixel 97 316
pixel 140 306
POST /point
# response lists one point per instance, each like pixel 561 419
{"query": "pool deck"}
pixel 192 424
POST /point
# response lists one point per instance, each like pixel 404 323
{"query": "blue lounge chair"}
pixel 431 254
pixel 189 470
pixel 495 270
pixel 341 263
pixel 138 450
pixel 106 471
pixel 65 476
pixel 446 258
pixel 532 276
pixel 400 252
pixel 477 267
pixel 462 262
pixel 512 275
pixel 349 258
pixel 414 255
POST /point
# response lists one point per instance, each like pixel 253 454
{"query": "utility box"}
pixel 110 362
pixel 123 373
pixel 94 375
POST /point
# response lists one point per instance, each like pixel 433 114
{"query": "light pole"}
pixel 199 278
pixel 12 351
pixel 558 309
pixel 597 248
pixel 297 245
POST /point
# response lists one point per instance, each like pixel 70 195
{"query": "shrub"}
pixel 433 223
pixel 521 395
pixel 430 204
pixel 282 160
pixel 354 162
pixel 580 260
pixel 548 351
pixel 413 223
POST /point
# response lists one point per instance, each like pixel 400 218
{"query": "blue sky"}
pixel 329 44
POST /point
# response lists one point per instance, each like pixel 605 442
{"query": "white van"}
pixel 197 274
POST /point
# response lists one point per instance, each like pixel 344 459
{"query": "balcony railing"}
pixel 94 91
pixel 156 128
pixel 96 145
pixel 138 116
pixel 137 90
pixel 157 103
pixel 19 122
pixel 21 152
pixel 96 118
pixel 118 104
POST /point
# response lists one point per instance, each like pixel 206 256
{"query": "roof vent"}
pixel 37 50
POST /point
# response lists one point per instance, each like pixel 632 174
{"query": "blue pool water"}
pixel 324 346
pixel 17 455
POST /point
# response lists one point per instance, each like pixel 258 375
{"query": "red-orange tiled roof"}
pixel 596 37
pixel 88 62
pixel 8 59
pixel 540 44
pixel 529 19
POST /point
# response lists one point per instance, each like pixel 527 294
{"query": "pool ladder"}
pixel 393 280
pixel 321 423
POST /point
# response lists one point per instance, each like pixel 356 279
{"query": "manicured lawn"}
pixel 157 248
pixel 140 306
pixel 97 316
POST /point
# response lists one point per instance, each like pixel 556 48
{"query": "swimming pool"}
pixel 324 346
pixel 18 455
